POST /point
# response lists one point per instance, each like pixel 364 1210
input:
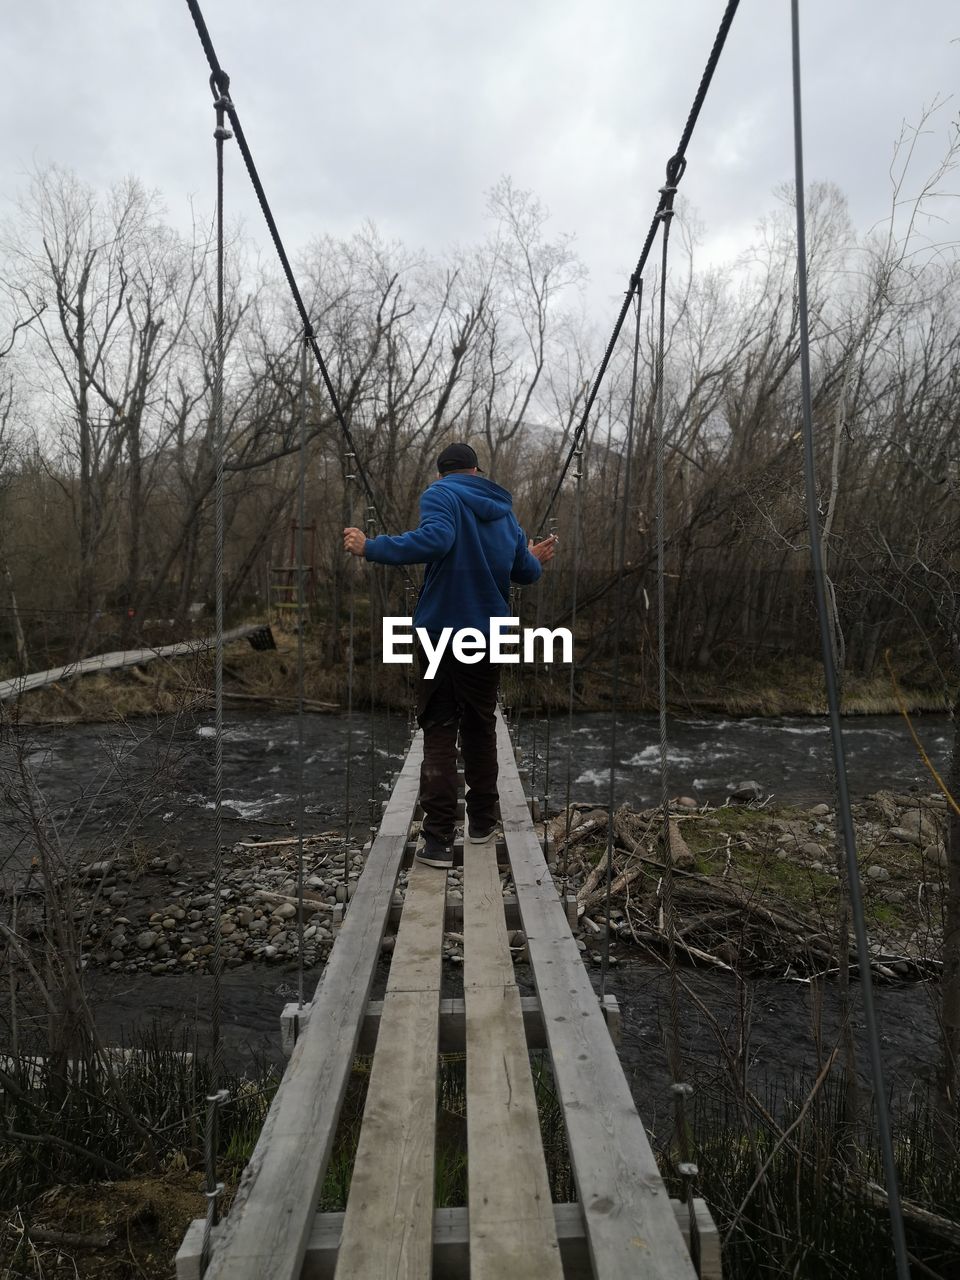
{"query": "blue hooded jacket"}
pixel 473 548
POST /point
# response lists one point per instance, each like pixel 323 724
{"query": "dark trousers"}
pixel 462 697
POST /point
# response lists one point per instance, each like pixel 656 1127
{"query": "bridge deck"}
pixel 623 1224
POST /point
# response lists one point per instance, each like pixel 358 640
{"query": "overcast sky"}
pixel 407 112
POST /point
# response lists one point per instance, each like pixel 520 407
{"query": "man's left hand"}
pixel 354 541
pixel 544 551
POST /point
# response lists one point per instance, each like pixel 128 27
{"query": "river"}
pixel 153 782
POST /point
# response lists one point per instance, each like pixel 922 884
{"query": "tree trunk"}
pixel 948 1075
pixel 18 636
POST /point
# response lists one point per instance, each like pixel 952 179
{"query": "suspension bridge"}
pixel 622 1222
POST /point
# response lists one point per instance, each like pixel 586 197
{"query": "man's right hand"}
pixel 543 551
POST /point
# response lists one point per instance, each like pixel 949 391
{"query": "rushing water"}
pixel 166 768
pixel 154 781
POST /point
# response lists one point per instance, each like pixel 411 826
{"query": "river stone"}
pixel 146 940
pixel 876 872
pixel 904 835
pixel 97 869
pixel 820 810
pixel 813 850
pixel 286 911
pixel 745 791
pixel 935 854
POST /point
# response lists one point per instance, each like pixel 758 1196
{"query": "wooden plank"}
pixel 486 955
pixel 119 658
pixel 395 1157
pixel 630 1227
pixel 266 1232
pixel 453 1024
pixel 451 1244
pixel 512 1229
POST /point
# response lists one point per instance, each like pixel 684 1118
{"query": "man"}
pixel 473 547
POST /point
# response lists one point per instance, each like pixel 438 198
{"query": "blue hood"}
pixel 473 547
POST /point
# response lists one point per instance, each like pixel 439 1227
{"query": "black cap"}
pixel 456 457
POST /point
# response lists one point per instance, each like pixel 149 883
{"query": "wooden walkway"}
pixel 119 658
pixel 623 1223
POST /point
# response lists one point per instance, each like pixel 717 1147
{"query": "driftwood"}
pixel 309 704
pixel 272 844
pixel 312 900
pixel 69 1239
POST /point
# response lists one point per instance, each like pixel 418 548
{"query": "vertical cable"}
pixel 617 617
pixel 578 480
pixel 220 86
pixel 348 771
pixel 301 618
pixel 830 678
pixel 221 134
pixel 680 1089
pixel 674 1053
pixel 372 612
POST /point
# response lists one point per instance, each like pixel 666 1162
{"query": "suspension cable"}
pixel 830 679
pixel 617 618
pixel 220 78
pixel 675 170
pixel 301 617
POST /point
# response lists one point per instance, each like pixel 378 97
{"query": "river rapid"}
pixel 153 783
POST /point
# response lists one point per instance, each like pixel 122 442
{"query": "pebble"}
pixel 146 940
pixel 820 810
pixel 876 872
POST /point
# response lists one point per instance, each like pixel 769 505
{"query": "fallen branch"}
pixel 273 844
pixel 69 1239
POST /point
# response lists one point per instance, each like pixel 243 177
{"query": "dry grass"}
pixel 144 1218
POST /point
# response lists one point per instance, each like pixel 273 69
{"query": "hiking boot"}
pixel 480 834
pixel 435 853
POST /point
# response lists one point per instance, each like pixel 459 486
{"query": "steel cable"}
pixel 218 1095
pixel 675 169
pixel 830 677
pixel 571 688
pixel 617 619
pixel 680 1089
pixel 221 135
pixel 301 616
pixel 222 80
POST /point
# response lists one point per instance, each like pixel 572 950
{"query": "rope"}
pixel 617 619
pixel 675 170
pixel 220 78
pixel 301 615
pixel 830 677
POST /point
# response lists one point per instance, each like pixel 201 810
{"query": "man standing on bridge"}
pixel 473 547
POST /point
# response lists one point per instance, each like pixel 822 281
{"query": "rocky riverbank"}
pixel 756 891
